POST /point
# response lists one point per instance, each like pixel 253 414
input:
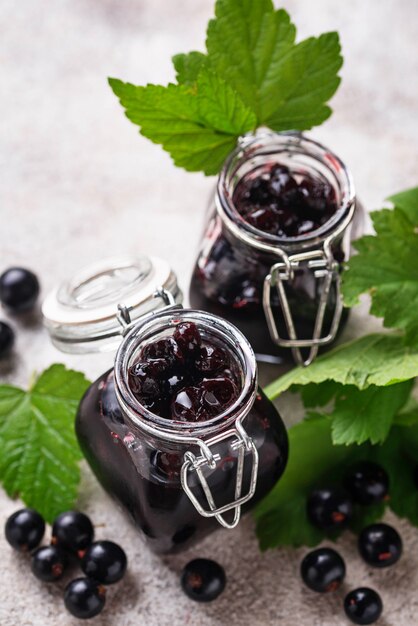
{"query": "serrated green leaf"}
pixel 367 415
pixel 245 42
pixel 306 79
pixel 253 75
pixel 315 461
pixel 188 66
pixel 220 107
pixel 408 202
pixel 318 395
pixel 40 454
pixel 376 359
pixel 253 47
pixel 170 116
pixel 386 266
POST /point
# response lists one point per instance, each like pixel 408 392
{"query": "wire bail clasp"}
pixel 324 267
pixel 124 313
pixel 241 442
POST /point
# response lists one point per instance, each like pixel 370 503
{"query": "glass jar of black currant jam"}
pixel 271 256
pixel 178 431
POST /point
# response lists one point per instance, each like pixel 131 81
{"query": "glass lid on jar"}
pixel 81 314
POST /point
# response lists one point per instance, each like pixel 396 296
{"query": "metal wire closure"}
pixel 241 442
pixel 315 252
pixel 124 313
pixel 323 266
pixel 239 439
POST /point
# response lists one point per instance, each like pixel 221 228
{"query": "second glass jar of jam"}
pixel 178 431
pixel 271 256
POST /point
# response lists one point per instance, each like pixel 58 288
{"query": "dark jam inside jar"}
pixel 284 203
pixel 184 377
pixel 282 194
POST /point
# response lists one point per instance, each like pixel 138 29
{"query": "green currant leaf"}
pixel 367 415
pixel 181 120
pixel 253 47
pixel 408 202
pixel 376 359
pixel 220 107
pixel 254 74
pixel 386 267
pixel 40 454
pixel 188 66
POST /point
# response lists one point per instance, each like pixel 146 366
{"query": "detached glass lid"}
pixel 81 314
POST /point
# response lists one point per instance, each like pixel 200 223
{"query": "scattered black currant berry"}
pixel 363 606
pixel 329 508
pixel 380 545
pixel 24 530
pixel 72 531
pixel 323 570
pixel 367 483
pixel 19 289
pixel 7 339
pixel 104 561
pixel 84 598
pixel 49 563
pixel 203 580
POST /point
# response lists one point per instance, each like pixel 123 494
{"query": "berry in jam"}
pixel 284 204
pixel 184 377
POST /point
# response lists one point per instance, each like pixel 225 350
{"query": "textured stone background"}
pixel 78 182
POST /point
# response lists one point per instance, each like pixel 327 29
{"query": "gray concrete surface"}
pixel 78 182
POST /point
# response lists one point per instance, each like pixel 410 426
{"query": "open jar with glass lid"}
pixel 271 257
pixel 178 431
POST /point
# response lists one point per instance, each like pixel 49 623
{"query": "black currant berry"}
pixel 19 289
pixel 363 606
pixel 24 530
pixel 203 580
pixel 84 598
pixel 323 570
pixel 48 563
pixel 367 483
pixel 380 545
pixel 329 508
pixel 72 531
pixel 104 561
pixel 7 338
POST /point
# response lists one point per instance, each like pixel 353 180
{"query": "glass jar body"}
pixel 228 280
pixel 235 259
pixel 143 473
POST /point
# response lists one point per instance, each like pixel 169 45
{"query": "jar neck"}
pixel 226 335
pixel 302 155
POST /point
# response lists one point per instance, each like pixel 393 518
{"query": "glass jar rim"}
pixel 170 429
pixel 295 142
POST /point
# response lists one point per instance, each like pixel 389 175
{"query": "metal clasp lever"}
pixel 323 266
pixel 124 313
pixel 241 442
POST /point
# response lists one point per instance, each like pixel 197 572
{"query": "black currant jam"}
pixel 185 378
pixel 284 203
pixel 281 199
pixel 180 379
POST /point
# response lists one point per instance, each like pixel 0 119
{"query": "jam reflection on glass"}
pixel 184 378
pixel 229 275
